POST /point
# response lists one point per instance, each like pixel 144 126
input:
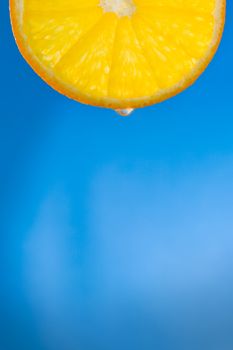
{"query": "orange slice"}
pixel 118 53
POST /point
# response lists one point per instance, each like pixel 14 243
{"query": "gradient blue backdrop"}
pixel 115 233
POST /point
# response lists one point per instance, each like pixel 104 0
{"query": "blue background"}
pixel 115 233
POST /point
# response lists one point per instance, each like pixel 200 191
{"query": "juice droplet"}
pixel 124 112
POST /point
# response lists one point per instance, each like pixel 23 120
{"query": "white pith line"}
pixel 119 7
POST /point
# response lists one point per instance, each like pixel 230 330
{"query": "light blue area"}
pixel 115 233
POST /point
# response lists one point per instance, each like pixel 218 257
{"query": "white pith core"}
pixel 119 7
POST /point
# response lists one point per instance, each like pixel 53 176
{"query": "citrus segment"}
pixel 91 56
pixel 51 36
pixel 118 53
pixel 131 74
